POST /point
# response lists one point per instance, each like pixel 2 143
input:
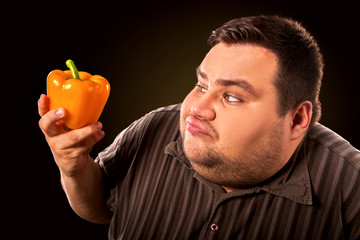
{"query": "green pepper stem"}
pixel 74 72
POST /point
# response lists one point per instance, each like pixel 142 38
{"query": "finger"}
pixel 48 122
pixel 87 136
pixel 95 138
pixel 43 105
pixel 99 134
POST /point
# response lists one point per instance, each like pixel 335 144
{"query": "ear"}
pixel 301 118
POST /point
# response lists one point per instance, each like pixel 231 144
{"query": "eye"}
pixel 201 89
pixel 231 99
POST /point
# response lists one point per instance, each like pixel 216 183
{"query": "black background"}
pixel 148 52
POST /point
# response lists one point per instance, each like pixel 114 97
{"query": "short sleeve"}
pixel 116 159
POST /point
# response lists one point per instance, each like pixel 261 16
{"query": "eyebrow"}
pixel 241 83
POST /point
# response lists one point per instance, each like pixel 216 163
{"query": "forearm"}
pixel 85 193
pixel 81 177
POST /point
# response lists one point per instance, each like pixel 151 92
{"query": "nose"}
pixel 203 109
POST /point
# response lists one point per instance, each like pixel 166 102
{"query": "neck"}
pixel 291 148
pixel 227 189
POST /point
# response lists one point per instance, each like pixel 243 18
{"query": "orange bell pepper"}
pixel 82 95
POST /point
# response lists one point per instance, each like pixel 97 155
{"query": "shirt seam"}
pixel 338 153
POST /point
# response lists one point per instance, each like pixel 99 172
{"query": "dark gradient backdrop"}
pixel 148 52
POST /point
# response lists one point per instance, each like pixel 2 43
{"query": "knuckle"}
pixel 41 123
pixel 44 122
pixel 52 146
pixel 70 153
pixel 44 127
pixel 90 131
pixel 73 137
pixel 53 143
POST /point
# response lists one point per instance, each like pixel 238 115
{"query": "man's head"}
pixel 300 61
pixel 236 128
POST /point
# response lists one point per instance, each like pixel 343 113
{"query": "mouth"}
pixel 196 127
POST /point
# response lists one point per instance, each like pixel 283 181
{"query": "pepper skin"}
pixel 83 99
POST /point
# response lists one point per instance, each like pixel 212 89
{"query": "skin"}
pixel 232 132
pixel 81 177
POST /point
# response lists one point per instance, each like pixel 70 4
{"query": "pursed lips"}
pixel 198 127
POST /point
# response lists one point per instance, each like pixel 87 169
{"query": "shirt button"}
pixel 214 227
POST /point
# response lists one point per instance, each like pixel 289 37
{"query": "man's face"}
pixel 232 132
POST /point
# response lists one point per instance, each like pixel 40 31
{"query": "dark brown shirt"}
pixel 155 194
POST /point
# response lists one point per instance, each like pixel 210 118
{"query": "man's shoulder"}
pixel 154 122
pixel 175 108
pixel 164 114
pixel 330 141
pixel 159 126
pixel 161 120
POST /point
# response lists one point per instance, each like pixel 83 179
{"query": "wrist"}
pixel 74 168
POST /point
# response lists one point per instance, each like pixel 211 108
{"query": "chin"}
pixel 192 146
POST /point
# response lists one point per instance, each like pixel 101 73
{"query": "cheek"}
pixel 242 130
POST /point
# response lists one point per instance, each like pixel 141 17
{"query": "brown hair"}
pixel 301 63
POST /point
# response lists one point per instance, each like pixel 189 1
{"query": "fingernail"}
pixel 98 125
pixel 41 97
pixel 59 112
pixel 101 133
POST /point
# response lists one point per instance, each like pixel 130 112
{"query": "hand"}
pixel 70 148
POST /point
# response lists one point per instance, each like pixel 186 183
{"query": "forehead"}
pixel 255 64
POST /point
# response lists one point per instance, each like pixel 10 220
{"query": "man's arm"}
pixel 85 193
pixel 81 177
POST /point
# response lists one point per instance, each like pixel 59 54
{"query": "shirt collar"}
pixel 292 181
pixel 176 150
